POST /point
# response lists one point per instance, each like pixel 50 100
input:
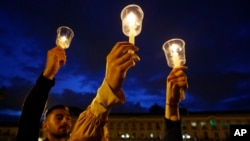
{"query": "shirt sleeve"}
pixel 90 125
pixel 172 130
pixel 33 106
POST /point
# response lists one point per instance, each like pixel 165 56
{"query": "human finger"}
pixel 129 56
pixel 180 82
pixel 122 48
pixel 128 61
pixel 178 79
pixel 127 65
pixel 60 55
pixel 174 70
pixel 177 72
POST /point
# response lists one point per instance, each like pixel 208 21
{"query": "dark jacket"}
pixel 172 130
pixel 32 110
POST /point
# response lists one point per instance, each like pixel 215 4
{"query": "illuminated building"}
pixel 206 126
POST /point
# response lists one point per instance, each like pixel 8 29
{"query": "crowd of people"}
pixel 91 124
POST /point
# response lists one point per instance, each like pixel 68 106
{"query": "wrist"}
pixel 172 113
pixel 174 105
pixel 113 85
pixel 48 76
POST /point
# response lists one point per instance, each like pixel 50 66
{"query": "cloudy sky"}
pixel 216 32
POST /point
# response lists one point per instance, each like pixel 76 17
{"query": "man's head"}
pixel 57 123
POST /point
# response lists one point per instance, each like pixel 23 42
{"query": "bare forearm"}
pixel 172 112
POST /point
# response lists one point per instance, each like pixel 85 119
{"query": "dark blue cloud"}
pixel 216 33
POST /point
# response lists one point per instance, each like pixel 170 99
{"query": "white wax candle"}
pixel 175 55
pixel 131 21
pixel 132 39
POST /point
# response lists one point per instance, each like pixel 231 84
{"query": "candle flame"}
pixel 175 48
pixel 63 38
pixel 131 19
pixel 175 55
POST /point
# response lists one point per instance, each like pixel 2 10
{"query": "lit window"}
pixel 151 135
pixel 213 123
pixel 203 124
pixel 193 124
pixel 186 136
pixel 125 136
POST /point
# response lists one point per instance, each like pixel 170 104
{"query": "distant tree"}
pixel 2 93
pixel 129 107
pixel 75 111
pixel 156 109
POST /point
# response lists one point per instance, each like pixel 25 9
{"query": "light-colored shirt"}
pixel 91 124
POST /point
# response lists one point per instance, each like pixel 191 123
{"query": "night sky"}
pixel 216 32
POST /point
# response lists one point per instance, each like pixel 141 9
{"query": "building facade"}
pixel 195 126
pixel 149 127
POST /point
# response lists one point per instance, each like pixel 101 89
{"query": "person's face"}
pixel 58 123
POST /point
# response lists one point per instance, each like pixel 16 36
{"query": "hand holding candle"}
pixel 174 50
pixel 64 36
pixel 132 16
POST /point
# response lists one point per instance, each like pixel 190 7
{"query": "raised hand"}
pixel 56 57
pixel 120 59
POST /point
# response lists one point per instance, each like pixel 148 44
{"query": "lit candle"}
pixel 131 20
pixel 175 56
pixel 63 42
pixel 177 62
pixel 174 50
pixel 64 37
pixel 132 16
